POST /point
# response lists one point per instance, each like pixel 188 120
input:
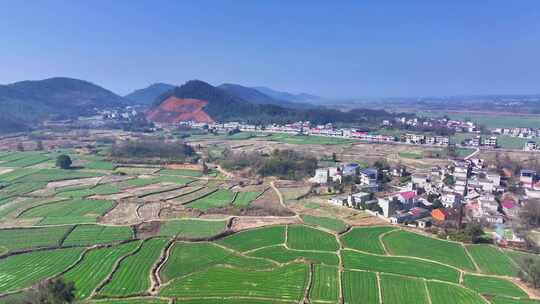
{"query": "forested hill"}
pixel 148 95
pixel 30 102
pixel 224 106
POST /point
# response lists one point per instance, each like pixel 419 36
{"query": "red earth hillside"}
pixel 174 109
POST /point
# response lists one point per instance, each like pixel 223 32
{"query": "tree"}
pixel 204 168
pixel 449 180
pixel 20 147
pixel 529 215
pixel 39 145
pixel 474 231
pixel 53 291
pixel 63 161
pixel 334 157
pixel 530 272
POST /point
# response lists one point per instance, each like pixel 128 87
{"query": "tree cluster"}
pixel 151 148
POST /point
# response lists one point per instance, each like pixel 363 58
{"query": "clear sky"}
pixel 330 48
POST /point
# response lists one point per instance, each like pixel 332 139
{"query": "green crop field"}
pixel 133 301
pixel 491 120
pixel 324 222
pixel 96 265
pixel 412 244
pixel 325 284
pixel 504 300
pixel 398 265
pixel 99 165
pixel 50 175
pixel 442 293
pixel 20 188
pixel 243 199
pixel 27 160
pixel 192 228
pixel 365 239
pixel 281 254
pixel 69 212
pixel 307 238
pixel 401 290
pixel 217 199
pixel 411 155
pixel 492 286
pixel 17 239
pixel 284 283
pixel 174 179
pixel 492 260
pixel 231 301
pixel 309 140
pixel 140 182
pixel 103 189
pixel 256 238
pixel 133 275
pixel 360 287
pixel 95 234
pixel 186 258
pixel 23 270
pixel 182 172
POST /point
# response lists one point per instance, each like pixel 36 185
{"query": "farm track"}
pixel 155 278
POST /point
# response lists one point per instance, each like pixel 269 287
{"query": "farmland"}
pixel 134 233
pixel 407 243
pixel 360 287
pixel 366 239
pixel 397 290
pixel 132 276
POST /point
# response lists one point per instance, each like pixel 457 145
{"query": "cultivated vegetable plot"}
pixel 366 239
pixel 23 270
pixel 217 199
pixel 325 284
pixel 69 212
pixel 133 274
pixel 307 238
pixel 412 244
pixel 26 161
pixel 17 239
pixel 491 260
pixel 191 228
pixel 97 190
pixel 401 290
pixel 243 199
pixel 96 265
pixel 133 301
pixel 504 300
pixel 324 222
pixel 95 234
pixel 182 172
pixel 398 265
pixel 360 287
pixel 186 258
pixel 492 286
pixel 256 238
pixel 284 283
pixel 281 254
pixel 441 293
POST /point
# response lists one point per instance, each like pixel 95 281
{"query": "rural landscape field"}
pixel 152 234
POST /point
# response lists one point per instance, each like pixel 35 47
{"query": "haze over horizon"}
pixel 345 50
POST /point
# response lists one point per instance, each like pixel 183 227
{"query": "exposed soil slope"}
pixel 175 109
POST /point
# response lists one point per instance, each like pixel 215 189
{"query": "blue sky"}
pixel 331 48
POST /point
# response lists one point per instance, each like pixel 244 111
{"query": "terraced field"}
pixel 133 275
pixel 220 198
pixel 325 222
pixel 243 199
pixel 191 228
pixel 95 234
pixel 69 212
pixel 307 238
pixel 24 270
pixel 256 238
pixel 284 283
pixel 96 265
pixel 366 239
pixel 442 293
pixel 399 265
pixel 281 254
pixel 360 287
pixel 401 290
pixel 325 284
pixel 492 260
pixel 412 244
pixel 492 286
pixel 186 258
pixel 25 238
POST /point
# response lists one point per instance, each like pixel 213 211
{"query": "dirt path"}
pixel 280 195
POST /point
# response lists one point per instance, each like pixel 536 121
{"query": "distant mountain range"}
pixel 199 101
pixel 148 95
pixel 29 102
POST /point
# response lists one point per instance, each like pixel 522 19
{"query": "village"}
pixel 465 191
